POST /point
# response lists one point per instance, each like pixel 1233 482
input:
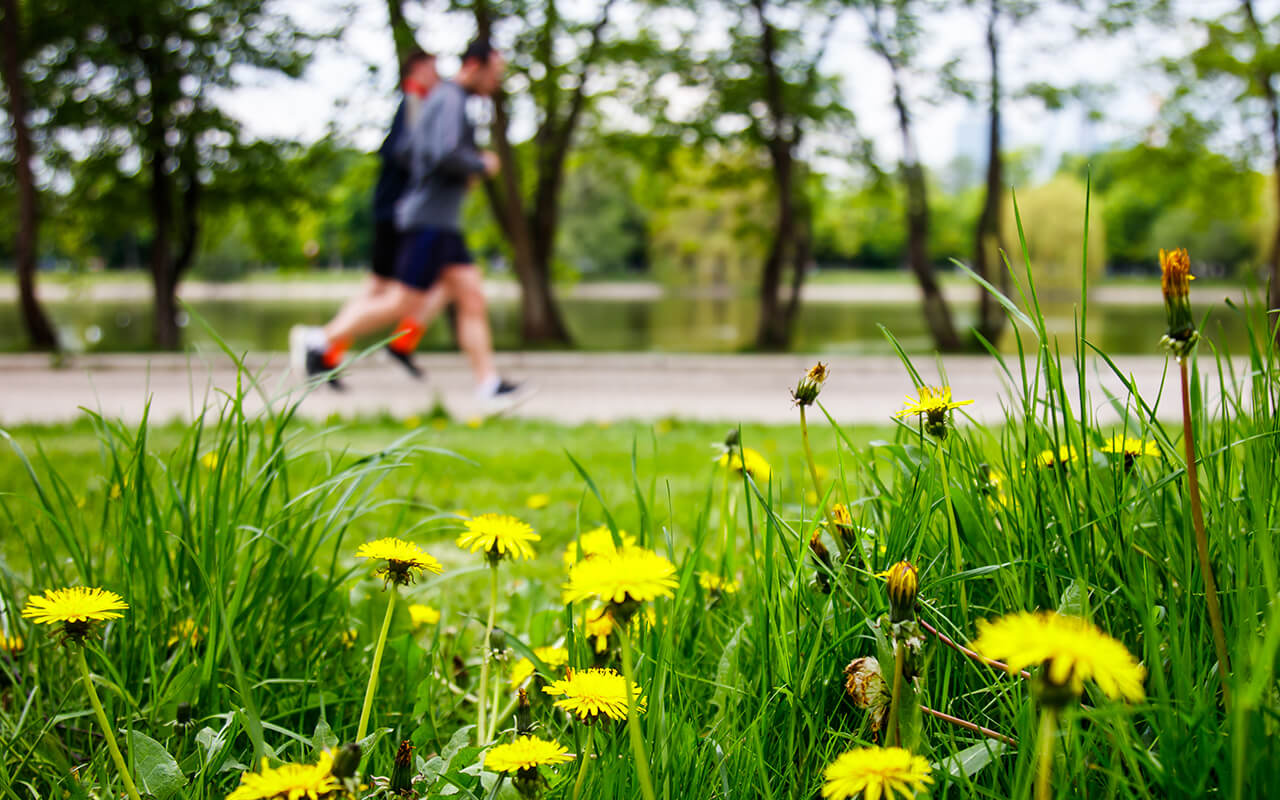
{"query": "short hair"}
pixel 415 57
pixel 479 50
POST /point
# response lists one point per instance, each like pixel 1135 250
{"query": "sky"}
pixel 349 86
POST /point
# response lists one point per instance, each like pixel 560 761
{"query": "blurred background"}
pixel 743 175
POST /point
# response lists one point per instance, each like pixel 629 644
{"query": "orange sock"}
pixel 408 334
pixel 333 356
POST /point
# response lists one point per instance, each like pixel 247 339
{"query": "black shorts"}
pixel 386 243
pixel 424 254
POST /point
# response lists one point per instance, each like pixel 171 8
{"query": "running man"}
pixel 443 162
pixel 418 77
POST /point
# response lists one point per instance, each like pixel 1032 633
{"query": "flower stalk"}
pixel 1044 752
pixel 107 733
pixel 482 691
pixel 378 649
pixel 584 758
pixel 1202 540
pixel 633 720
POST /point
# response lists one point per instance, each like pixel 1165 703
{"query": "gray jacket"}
pixel 440 152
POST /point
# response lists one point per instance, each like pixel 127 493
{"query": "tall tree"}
pixel 147 77
pixel 895 32
pixel 765 89
pixel 14 42
pixel 1242 50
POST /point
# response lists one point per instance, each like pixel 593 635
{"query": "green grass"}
pixel 745 691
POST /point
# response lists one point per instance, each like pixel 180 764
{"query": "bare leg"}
pixel 372 313
pixel 464 285
pixel 430 304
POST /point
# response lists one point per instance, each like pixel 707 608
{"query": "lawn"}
pixel 1044 607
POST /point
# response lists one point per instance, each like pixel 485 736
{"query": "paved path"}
pixel 572 387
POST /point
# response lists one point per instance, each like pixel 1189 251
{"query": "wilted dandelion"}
pixel 876 772
pixel 806 391
pixel 291 781
pixel 864 683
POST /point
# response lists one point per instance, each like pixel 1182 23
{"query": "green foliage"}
pixel 1051 217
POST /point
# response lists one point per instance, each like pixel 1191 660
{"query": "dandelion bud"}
pixel 346 760
pixel 732 438
pixel 1175 284
pixel 402 770
pixel 498 642
pixel 823 557
pixel 902 583
pixel 524 714
pixel 865 684
pixel 806 392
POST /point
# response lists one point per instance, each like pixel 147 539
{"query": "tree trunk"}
pixel 164 279
pixel 988 240
pixel 39 330
pixel 1265 78
pixel 937 314
pixel 401 32
pixel 773 331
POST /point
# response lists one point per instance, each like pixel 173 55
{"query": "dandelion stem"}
pixel 894 735
pixel 369 690
pixel 107 734
pixel 956 558
pixel 724 522
pixel 633 718
pixel 584 758
pixel 1202 541
pixel 972 726
pixel 1044 760
pixel 959 648
pixel 813 468
pixel 482 693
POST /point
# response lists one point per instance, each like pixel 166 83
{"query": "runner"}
pixel 418 77
pixel 433 263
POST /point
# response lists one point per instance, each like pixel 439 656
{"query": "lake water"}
pixel 671 323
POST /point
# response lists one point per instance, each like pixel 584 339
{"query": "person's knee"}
pixel 467 290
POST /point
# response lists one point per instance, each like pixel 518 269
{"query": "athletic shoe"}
pixel 307 359
pixel 506 396
pixel 406 360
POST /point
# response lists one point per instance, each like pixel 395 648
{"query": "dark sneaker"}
pixel 308 362
pixel 405 360
pixel 316 368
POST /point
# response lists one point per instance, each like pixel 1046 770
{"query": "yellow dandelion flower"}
pixel 423 615
pixel 596 542
pixel 1175 273
pixel 934 406
pixel 525 753
pixel 185 631
pixel 499 536
pixel 475 422
pixel 598 624
pixel 1130 446
pixel 76 609
pixel 348 638
pixel 439 423
pixel 710 582
pixel 209 461
pixel 756 465
pixel 413 421
pixel 537 502
pixel 404 559
pixel 1072 650
pixel 590 693
pixel 289 782
pixel 13 645
pixel 553 657
pixel 632 575
pixel 1057 458
pixel 875 772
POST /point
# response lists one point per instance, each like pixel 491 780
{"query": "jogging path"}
pixel 571 387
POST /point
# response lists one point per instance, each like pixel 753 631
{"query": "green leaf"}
pixel 1075 600
pixel 158 772
pixel 324 737
pixel 972 760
